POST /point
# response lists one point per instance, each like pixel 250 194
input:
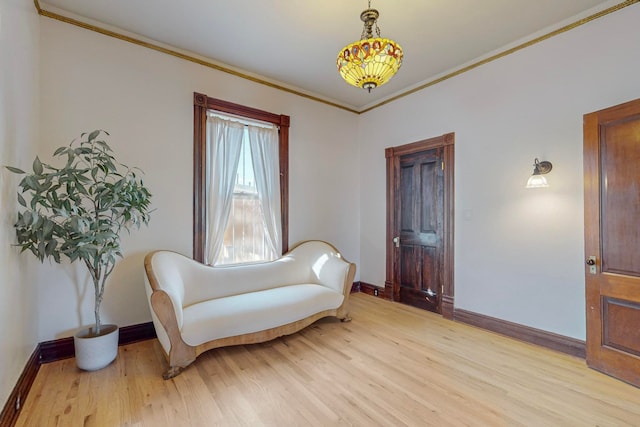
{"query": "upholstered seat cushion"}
pixel 255 311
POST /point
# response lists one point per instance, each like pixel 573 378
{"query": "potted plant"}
pixel 78 210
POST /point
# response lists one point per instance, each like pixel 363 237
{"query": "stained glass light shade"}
pixel 369 63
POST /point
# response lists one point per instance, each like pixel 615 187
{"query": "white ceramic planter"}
pixel 93 353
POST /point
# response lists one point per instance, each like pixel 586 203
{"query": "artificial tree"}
pixel 79 209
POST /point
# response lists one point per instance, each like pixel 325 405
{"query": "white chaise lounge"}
pixel 196 307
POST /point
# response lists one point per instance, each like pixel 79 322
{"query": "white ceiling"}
pixel 295 42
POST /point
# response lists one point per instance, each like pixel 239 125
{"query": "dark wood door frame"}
pixel 393 154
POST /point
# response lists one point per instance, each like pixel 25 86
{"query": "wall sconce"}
pixel 536 180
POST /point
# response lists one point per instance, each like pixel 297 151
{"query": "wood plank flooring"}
pixel 393 365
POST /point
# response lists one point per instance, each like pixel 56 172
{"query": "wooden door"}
pixel 418 214
pixel 612 240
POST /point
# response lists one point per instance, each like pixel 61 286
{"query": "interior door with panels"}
pixel 419 207
pixel 420 224
pixel 612 240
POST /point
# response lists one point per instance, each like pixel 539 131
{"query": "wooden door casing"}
pixel 407 259
pixel 612 236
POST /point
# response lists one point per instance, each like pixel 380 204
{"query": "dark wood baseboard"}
pixel 13 405
pixel 446 307
pixel 355 287
pixel 62 348
pixel 51 351
pixel 135 333
pixel 372 290
pixel 550 340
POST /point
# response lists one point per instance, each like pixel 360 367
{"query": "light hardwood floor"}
pixel 393 365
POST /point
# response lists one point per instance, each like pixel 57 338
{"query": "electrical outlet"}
pixel 375 292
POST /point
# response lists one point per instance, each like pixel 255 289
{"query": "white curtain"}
pixel 224 142
pixel 266 166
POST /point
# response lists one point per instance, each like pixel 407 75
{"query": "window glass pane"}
pixel 244 237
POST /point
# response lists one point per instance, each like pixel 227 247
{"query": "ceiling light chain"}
pixel 371 61
pixel 370 18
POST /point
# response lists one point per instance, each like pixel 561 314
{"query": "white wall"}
pixel 520 255
pixel 145 100
pixel 18 135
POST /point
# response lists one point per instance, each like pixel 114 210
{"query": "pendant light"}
pixel 371 61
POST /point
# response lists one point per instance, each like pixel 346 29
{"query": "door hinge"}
pixel 442 165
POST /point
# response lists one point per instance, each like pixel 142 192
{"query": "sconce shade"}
pixel 536 180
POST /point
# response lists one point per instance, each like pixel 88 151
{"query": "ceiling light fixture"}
pixel 536 180
pixel 371 61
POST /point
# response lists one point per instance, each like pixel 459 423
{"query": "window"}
pixel 246 235
pixel 242 197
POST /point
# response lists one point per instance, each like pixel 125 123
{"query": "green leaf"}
pixel 71 156
pixel 47 229
pixel 80 177
pixel 15 170
pixel 27 218
pixel 51 247
pixel 81 189
pixel 41 250
pixel 21 200
pixel 93 135
pixel 29 183
pixel 105 147
pixel 59 151
pixel 37 166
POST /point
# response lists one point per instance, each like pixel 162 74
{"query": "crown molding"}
pixel 218 67
pixel 181 55
pixel 504 53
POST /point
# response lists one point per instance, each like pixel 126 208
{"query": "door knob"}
pixel 396 241
pixel 591 260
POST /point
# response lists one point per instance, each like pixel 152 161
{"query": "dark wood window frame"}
pixel 202 103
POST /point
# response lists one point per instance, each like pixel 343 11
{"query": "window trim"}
pixel 202 103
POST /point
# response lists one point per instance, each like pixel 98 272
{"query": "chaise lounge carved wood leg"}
pixel 175 367
pixel 181 354
pixel 343 313
pixel 180 357
pixel 173 371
